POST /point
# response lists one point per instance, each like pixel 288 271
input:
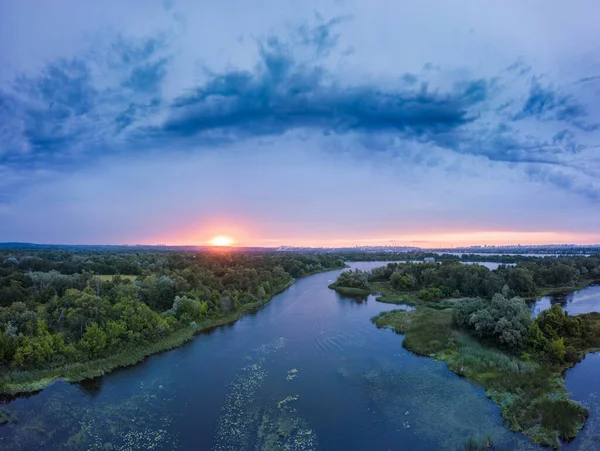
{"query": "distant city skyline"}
pixel 391 248
pixel 426 241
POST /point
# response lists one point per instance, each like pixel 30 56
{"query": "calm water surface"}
pixel 309 371
pixel 575 303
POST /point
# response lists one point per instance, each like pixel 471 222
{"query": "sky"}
pixel 308 123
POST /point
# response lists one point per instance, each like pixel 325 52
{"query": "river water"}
pixel 308 371
pixel 574 303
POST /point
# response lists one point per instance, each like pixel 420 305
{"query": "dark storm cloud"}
pixel 281 95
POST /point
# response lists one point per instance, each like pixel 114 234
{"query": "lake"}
pixel 308 371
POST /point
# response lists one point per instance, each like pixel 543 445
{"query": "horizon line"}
pixel 483 246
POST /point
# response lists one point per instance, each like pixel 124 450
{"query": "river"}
pixel 574 303
pixel 308 371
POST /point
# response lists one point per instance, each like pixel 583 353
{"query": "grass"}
pixel 532 397
pixel 389 296
pixel 428 331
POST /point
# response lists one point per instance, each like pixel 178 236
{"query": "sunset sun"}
pixel 221 241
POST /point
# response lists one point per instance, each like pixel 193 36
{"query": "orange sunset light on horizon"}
pixel 221 241
pixel 424 240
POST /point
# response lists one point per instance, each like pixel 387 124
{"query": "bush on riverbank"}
pixel 351 292
pixel 558 338
pixel 503 322
pixel 353 283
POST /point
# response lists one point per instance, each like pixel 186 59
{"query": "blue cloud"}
pixel 566 180
pixel 43 112
pixel 544 103
pixel 147 77
pixel 63 117
pixel 281 95
pixel 501 143
pixel 60 115
pixel 320 36
pixel 519 67
pixel 567 139
pixel 409 79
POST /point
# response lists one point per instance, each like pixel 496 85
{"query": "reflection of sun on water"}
pixel 221 241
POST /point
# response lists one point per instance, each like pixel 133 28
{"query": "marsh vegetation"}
pixel 493 341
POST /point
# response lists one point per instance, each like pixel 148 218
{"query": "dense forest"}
pixel 59 307
pixel 450 278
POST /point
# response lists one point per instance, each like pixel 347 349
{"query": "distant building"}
pixel 429 260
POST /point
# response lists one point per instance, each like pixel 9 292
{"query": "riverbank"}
pixel 32 381
pixel 17 382
pixel 531 396
pixel 350 291
pixel 388 296
pixel 561 290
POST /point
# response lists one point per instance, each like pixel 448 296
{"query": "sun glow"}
pixel 221 241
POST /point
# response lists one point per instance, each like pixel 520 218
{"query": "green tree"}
pixel 39 349
pixel 556 350
pixel 261 293
pixel 94 340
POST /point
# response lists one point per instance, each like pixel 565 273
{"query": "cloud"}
pixel 322 36
pixel 111 101
pixel 169 196
pixel 102 102
pixel 280 95
pixel 75 108
pixel 545 103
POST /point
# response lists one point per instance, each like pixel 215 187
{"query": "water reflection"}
pixel 584 385
pixel 90 387
pixel 575 303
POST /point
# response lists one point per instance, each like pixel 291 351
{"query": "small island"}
pixel 477 322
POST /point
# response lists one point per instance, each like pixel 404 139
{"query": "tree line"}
pixel 451 278
pixel 59 307
pixel 493 309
